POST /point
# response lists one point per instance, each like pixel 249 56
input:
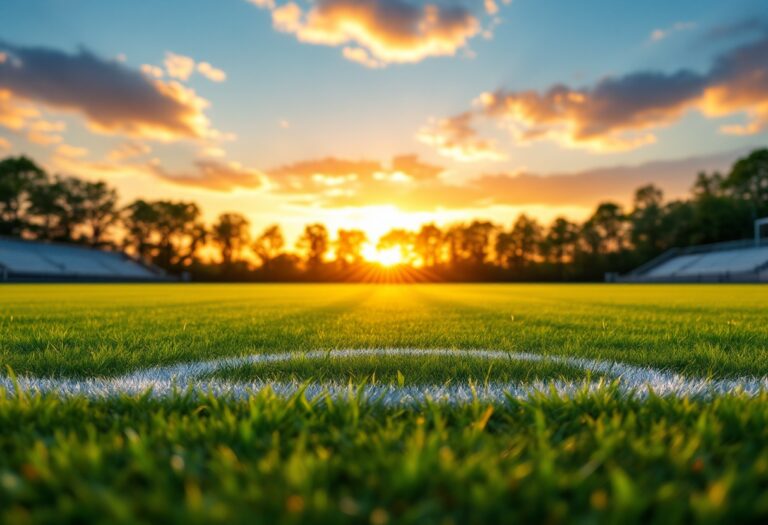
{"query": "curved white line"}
pixel 169 380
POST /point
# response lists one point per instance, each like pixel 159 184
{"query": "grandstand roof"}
pixel 741 261
pixel 22 260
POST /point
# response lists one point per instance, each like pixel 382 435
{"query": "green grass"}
pixel 405 370
pixel 598 458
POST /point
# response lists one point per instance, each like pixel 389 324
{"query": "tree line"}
pixel 173 236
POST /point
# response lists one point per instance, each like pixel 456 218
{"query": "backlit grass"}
pixel 600 457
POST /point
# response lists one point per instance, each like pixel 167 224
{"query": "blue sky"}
pixel 287 102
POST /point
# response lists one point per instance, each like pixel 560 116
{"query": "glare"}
pixel 388 257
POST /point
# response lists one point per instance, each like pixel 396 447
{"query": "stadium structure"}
pixel 738 261
pixel 33 261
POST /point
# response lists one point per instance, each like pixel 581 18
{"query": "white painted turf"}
pixel 169 380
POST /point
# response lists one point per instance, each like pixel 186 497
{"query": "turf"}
pixel 596 457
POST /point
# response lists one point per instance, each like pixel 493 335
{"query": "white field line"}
pixel 169 380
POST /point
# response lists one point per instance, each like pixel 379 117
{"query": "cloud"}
pixel 45 132
pixel 352 183
pixel 657 35
pixel 622 113
pixel 211 73
pixel 65 150
pixel 179 66
pixel 213 175
pixel 456 138
pixel 361 56
pixel 128 150
pixel 14 114
pixel 113 98
pixel 332 180
pixel 5 144
pixel 378 32
pixel 152 71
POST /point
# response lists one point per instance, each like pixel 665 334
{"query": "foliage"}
pixel 171 234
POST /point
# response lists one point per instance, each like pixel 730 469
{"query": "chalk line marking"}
pixel 165 381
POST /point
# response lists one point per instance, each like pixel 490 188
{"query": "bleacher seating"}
pixel 22 260
pixel 707 263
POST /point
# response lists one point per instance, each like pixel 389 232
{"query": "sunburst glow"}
pixel 388 257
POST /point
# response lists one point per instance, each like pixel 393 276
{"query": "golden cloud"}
pixel 213 175
pixel 377 32
pixel 111 97
pixel 618 113
pixel 456 138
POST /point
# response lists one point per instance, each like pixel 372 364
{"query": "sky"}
pixel 377 114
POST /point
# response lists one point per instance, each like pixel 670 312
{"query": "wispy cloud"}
pixel 456 138
pixel 657 35
pixel 212 175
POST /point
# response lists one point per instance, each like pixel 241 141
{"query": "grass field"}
pixel 593 453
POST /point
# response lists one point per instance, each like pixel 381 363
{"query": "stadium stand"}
pixel 30 261
pixel 741 261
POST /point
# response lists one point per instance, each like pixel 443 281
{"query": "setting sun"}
pixel 387 257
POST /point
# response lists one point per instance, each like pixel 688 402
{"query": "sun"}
pixel 388 257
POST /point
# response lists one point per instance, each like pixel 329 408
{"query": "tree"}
pixel 560 242
pixel 99 212
pixel 477 241
pixel 231 233
pixel 646 217
pixel 349 246
pixel 164 232
pixel 525 238
pixel 18 176
pixel 608 225
pixel 398 238
pixel 314 243
pixel 269 245
pixel 748 180
pixel 428 244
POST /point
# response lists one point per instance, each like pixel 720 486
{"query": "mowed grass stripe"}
pixel 88 330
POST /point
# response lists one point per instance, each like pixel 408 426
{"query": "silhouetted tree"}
pixel 314 243
pixel 748 180
pixel 398 238
pixel 646 220
pixel 100 212
pixel 349 246
pixel 231 233
pixel 428 244
pixel 525 238
pixel 477 241
pixel 164 232
pixel 609 226
pixel 18 177
pixel 269 245
pixel 559 245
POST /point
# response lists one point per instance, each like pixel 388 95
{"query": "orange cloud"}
pixel 110 96
pixel 4 144
pixel 213 175
pixel 45 132
pixel 179 66
pixel 211 73
pixel 334 183
pixel 14 114
pixel 377 32
pixel 333 176
pixel 618 113
pixel 128 150
pixel 456 138
pixel 65 150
